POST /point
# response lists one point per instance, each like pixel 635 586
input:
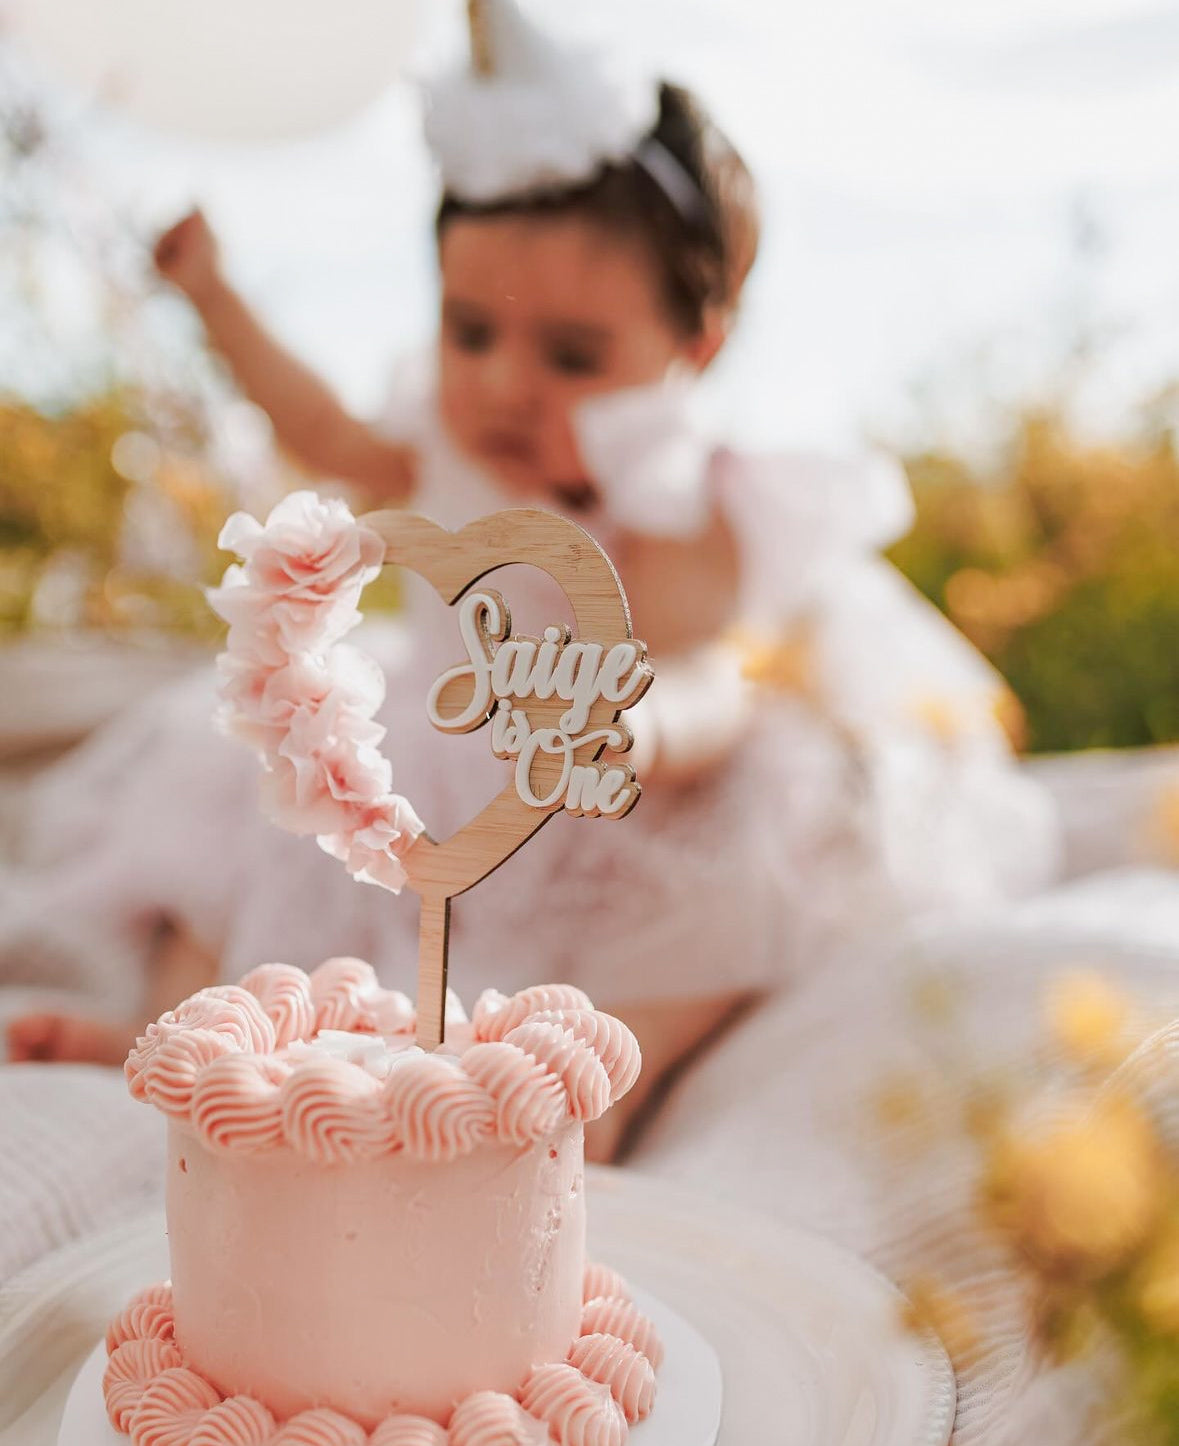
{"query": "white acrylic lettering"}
pixel 482 620
pixel 580 673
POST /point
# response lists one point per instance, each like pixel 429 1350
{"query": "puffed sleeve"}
pixel 800 518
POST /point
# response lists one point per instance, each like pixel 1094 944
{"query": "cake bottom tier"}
pixel 606 1383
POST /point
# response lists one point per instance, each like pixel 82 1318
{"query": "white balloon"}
pixel 249 70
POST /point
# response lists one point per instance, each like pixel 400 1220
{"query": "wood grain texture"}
pixel 482 59
pixel 453 563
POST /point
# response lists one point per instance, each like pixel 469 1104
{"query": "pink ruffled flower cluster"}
pixel 305 700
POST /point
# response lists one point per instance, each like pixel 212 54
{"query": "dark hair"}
pixel 705 250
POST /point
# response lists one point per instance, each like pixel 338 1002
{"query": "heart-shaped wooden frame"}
pixel 453 563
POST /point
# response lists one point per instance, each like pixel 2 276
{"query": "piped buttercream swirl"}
pixel 579 1412
pixel 496 1015
pixel 610 1039
pixel 622 1318
pixel 171 1408
pixel 530 1103
pixel 347 995
pixel 235 1103
pixel 333 1113
pixel 132 1366
pixel 625 1372
pixel 489 1418
pixel 603 1280
pixel 170 1075
pixel 146 1316
pixel 408 1431
pixel 576 1065
pixel 284 992
pixel 438 1111
pixel 258 1066
pixel 320 1427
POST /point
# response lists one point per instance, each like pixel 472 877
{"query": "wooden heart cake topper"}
pixel 553 702
pixel 307 702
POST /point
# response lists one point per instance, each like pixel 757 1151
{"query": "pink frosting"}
pixel 496 1015
pixel 602 1280
pixel 146 1316
pixel 224 1009
pixel 615 1364
pixel 485 1275
pixel 347 995
pixel 285 994
pixel 321 1427
pixel 170 1074
pixel 574 1064
pixel 332 1112
pixel 579 1412
pixel 587 1401
pixel 622 1318
pixel 489 1418
pixel 236 1421
pixel 211 1062
pixel 408 1431
pixel 438 1111
pixel 529 1102
pixel 132 1365
pixel 610 1040
pixel 231 1010
pixel 171 1408
pixel 235 1104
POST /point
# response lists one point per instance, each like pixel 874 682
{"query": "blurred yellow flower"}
pixel 1079 1194
pixel 785 664
pixel 1157 1283
pixel 1088 1018
pixel 941 715
pixel 1165 822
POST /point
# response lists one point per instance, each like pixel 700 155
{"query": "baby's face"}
pixel 537 316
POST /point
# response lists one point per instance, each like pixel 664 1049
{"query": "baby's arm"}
pixel 309 420
pixel 684 600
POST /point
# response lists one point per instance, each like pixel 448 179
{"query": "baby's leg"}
pixel 178 967
pixel 670 1033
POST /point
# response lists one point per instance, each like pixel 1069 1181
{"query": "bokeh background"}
pixel 972 220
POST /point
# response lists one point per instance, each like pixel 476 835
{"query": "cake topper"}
pixel 307 701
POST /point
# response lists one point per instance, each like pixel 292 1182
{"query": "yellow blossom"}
pixel 941 715
pixel 785 664
pixel 1165 822
pixel 1087 1017
pixel 1078 1195
pixel 1008 712
pixel 1158 1284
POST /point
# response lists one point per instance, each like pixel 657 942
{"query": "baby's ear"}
pixel 701 349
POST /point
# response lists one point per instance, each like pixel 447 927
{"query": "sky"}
pixel 953 196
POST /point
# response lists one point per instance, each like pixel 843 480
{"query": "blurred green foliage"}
pixel 63 506
pixel 1061 563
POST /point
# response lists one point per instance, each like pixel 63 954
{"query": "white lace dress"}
pixel 880 791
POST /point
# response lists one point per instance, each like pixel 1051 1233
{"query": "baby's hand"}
pixel 187 256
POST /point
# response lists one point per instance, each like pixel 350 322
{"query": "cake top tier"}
pixel 280 1062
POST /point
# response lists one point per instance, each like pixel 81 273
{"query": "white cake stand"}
pixel 808 1337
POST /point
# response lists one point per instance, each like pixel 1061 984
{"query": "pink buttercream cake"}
pixel 373 1245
